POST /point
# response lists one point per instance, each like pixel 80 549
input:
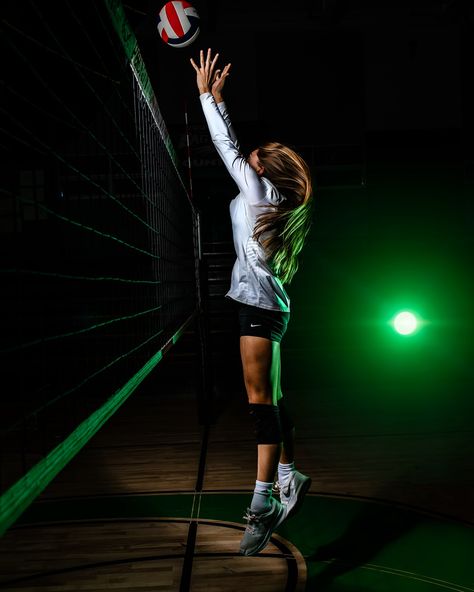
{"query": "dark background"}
pixel 378 97
pixel 367 91
pixel 329 71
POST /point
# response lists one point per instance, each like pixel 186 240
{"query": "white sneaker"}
pixel 260 527
pixel 292 493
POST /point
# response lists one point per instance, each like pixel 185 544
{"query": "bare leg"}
pixel 267 463
pixel 260 363
pixel 287 454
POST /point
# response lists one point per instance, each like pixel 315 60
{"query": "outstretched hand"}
pixel 208 79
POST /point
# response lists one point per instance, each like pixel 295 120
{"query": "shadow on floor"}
pixel 374 528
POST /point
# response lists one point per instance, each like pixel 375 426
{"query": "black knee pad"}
pixel 267 423
pixel 285 419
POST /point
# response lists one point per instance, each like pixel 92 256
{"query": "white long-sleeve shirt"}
pixel 253 281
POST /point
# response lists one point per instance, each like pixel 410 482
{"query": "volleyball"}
pixel 178 23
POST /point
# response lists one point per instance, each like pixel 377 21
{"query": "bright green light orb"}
pixel 405 323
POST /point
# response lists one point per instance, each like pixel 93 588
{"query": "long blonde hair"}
pixel 288 223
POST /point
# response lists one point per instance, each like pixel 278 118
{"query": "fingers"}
pixel 221 74
pixel 214 61
pixel 209 62
pixel 207 65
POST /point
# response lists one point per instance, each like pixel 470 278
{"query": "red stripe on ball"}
pixel 173 19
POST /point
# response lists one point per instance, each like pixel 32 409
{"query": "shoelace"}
pixel 251 519
pixel 277 489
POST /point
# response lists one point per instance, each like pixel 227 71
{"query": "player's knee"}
pixel 267 423
pixel 259 396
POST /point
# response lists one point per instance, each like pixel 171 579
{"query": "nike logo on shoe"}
pixel 252 325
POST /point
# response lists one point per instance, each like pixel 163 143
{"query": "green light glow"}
pixel 405 323
pixel 20 495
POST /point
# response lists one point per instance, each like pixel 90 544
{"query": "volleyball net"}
pixel 98 235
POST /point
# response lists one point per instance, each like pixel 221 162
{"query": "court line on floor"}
pixel 409 575
pixel 286 548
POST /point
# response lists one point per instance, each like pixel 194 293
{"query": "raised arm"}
pixel 210 83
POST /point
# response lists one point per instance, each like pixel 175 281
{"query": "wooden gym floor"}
pixel 155 502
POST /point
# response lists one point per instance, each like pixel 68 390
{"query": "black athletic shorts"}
pixel 262 322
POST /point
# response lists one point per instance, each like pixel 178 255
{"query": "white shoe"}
pixel 292 493
pixel 260 527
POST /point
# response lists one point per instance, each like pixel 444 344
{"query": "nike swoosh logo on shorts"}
pixel 252 325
